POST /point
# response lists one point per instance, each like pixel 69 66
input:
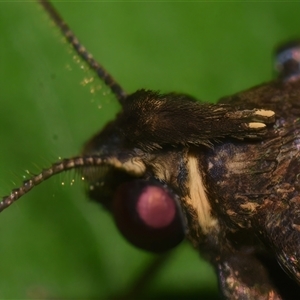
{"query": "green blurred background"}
pixel 55 243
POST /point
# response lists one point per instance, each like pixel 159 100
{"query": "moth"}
pixel 249 123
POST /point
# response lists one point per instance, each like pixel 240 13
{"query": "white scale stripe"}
pixel 198 197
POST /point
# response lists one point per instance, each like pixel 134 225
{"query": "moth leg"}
pixel 144 278
pixel 279 224
pixel 248 276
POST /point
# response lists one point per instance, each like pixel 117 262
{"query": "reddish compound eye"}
pixel 148 216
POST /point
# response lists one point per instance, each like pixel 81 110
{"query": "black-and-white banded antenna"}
pixel 56 168
pixel 117 90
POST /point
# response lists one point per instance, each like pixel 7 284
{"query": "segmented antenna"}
pixel 82 51
pixel 56 168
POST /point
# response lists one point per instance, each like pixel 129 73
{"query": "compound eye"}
pixel 148 216
pixel 288 61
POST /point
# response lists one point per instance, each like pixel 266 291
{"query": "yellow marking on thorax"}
pixel 197 197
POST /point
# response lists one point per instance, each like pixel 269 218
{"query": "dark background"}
pixel 54 243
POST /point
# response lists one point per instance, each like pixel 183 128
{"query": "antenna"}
pixel 78 161
pixel 58 167
pixel 117 90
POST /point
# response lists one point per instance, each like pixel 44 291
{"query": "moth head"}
pixel 145 208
